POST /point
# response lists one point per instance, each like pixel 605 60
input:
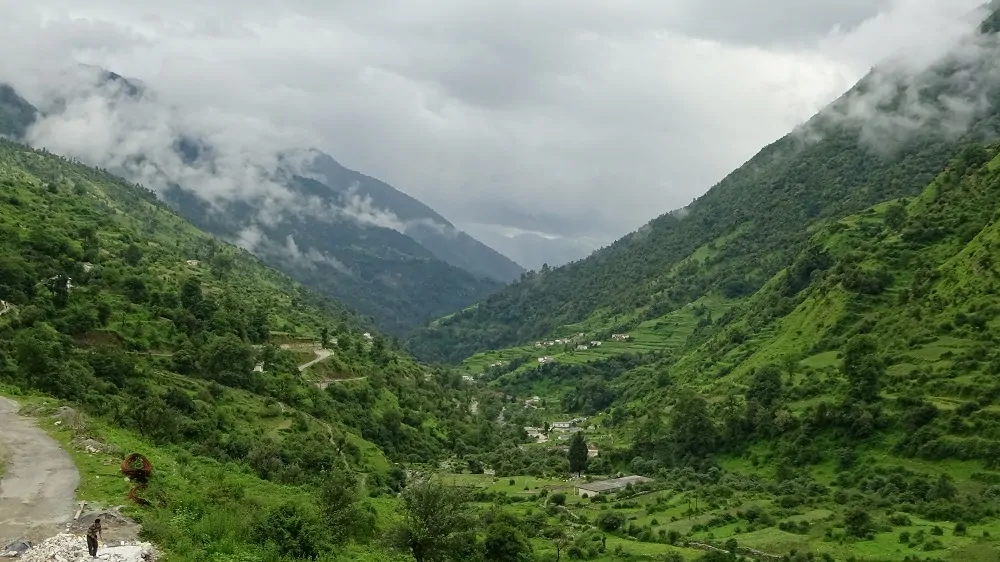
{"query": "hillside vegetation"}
pixel 348 236
pixel 846 410
pixel 170 343
pixel 749 226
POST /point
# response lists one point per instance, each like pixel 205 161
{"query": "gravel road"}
pixel 38 488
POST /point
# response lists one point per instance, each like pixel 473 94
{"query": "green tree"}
pixel 610 521
pixel 765 386
pixel 436 521
pixel 577 453
pixel 229 360
pixel 340 502
pixel 505 543
pixel 294 529
pixel 132 255
pixel 692 431
pixel 895 216
pixel 858 523
pixel 863 368
pixel 43 361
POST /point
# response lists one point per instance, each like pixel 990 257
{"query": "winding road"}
pixel 321 355
pixel 38 488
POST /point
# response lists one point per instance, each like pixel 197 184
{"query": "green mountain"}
pixel 347 235
pixel 847 409
pixel 885 138
pixel 185 348
pixel 379 271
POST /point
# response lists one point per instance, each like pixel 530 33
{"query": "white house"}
pixel 620 337
pixel 582 347
pixel 546 359
pixel 561 425
pixel 595 343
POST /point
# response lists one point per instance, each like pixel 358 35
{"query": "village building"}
pixel 592 451
pixel 536 433
pixel 620 337
pixel 598 487
pixel 582 347
pixel 546 359
pixel 595 343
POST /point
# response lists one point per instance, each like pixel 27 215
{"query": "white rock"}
pixel 65 547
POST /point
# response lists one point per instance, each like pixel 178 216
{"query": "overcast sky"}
pixel 576 118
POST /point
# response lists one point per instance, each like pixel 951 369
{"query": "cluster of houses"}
pixel 580 346
pixel 499 363
pixel 560 341
pixel 564 427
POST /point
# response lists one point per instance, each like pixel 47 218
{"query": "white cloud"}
pixel 569 117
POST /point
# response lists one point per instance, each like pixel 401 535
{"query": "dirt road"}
pixel 38 488
pixel 321 355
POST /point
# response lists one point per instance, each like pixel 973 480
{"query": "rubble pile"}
pixel 65 547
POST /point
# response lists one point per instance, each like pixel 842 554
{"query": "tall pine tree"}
pixel 577 454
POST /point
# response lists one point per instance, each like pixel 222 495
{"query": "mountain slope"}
pixel 344 238
pixel 101 271
pixel 173 344
pixel 419 221
pixel 885 138
pixel 860 379
pixel 379 271
pixel 16 114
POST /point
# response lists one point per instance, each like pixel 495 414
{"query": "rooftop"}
pixel 613 484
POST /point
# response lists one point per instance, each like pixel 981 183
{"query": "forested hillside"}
pixel 885 138
pixel 174 343
pixel 847 409
pixel 349 236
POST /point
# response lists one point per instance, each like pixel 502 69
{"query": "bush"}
pixel 610 521
pixel 558 499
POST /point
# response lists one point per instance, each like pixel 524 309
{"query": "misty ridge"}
pixel 261 187
pixel 947 90
pixel 121 125
pixel 942 91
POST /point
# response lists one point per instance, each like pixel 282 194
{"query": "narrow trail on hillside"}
pixel 38 488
